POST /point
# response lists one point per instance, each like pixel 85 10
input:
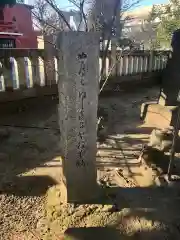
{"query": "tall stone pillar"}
pixel 78 68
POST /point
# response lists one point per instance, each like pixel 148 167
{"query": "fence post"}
pixel 21 72
pixel 49 62
pixel 113 56
pixel 150 62
pixel 78 67
pixel 7 73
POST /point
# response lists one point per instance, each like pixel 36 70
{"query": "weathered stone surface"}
pixel 170 82
pixel 157 115
pixel 78 100
pixel 161 139
pixel 171 74
pixel 154 158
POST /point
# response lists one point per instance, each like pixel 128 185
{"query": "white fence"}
pixel 28 68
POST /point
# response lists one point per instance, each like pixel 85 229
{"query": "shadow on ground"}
pixel 143 213
pixel 33 139
pixel 26 185
pixel 107 233
pixel 31 142
pixel 95 233
pixel 30 165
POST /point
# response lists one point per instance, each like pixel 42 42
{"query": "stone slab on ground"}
pixel 157 115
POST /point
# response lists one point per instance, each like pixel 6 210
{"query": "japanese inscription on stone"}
pixel 82 148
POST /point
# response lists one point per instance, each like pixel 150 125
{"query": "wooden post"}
pixel 78 68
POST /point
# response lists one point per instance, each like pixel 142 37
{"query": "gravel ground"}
pixel 30 174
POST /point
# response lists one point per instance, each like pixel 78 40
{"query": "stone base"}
pixel 88 197
pixel 157 115
pixel 168 96
pixel 63 193
pixel 162 100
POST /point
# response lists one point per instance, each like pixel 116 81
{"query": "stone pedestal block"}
pixel 157 115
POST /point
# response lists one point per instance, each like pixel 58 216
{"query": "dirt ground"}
pixel 132 206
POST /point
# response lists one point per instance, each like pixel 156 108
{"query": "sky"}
pixel 64 3
pixel 151 2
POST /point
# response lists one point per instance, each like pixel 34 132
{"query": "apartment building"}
pixel 135 26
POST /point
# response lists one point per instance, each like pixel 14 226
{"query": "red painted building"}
pixel 16 26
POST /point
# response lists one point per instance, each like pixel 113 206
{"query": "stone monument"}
pixel 171 74
pixel 78 69
pixel 164 112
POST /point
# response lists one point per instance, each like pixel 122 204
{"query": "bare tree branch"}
pixel 44 22
pixel 54 6
pixel 43 13
pixel 80 4
pixel 109 38
pixel 104 25
pixel 83 14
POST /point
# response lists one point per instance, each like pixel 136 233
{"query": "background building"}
pixel 16 24
pixel 135 26
pixel 132 26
